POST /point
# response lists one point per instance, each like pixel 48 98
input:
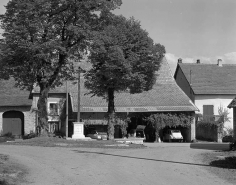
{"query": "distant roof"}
pixel 210 78
pixel 232 103
pixel 13 96
pixel 166 95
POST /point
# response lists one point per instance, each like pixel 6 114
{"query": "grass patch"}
pixel 10 173
pixel 60 142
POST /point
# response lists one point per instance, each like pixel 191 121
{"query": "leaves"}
pixel 123 56
pixel 40 36
pixel 161 120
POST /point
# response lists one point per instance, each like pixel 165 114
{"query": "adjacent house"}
pixel 16 113
pixel 166 96
pixel 233 105
pixel 209 86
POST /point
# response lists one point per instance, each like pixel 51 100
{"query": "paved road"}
pixel 159 164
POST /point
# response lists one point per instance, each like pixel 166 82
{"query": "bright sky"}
pixel 189 29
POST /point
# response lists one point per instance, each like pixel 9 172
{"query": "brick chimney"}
pixel 219 62
pixel 179 60
pixel 198 61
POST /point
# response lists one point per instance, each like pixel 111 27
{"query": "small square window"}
pixel 53 109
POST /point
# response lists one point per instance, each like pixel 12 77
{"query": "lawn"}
pixel 60 142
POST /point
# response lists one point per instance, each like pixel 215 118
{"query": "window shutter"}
pixel 208 112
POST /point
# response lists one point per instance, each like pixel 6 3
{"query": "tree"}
pixel 123 58
pixel 42 39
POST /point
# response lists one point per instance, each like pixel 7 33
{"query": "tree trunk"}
pixel 42 111
pixel 111 114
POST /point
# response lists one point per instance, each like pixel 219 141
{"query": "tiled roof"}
pixel 210 78
pixel 13 96
pixel 165 96
pixel 232 103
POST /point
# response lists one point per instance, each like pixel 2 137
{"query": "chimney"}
pixel 179 60
pixel 219 62
pixel 198 61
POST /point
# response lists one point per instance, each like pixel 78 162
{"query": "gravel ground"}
pixel 226 171
pixel 158 163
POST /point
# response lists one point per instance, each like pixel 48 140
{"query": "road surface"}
pixel 159 163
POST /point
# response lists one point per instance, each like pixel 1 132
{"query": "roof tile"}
pixel 210 78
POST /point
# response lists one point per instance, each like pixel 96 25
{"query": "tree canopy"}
pixel 41 36
pixel 124 58
pixel 42 39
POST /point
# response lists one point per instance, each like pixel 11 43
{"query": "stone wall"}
pixel 29 117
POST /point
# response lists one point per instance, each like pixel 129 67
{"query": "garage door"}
pixel 13 122
pixel 12 125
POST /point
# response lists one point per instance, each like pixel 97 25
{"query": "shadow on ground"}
pixel 228 162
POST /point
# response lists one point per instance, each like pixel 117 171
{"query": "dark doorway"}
pixel 13 122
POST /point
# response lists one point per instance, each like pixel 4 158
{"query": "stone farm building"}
pixel 18 113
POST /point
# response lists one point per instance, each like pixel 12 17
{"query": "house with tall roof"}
pixel 209 86
pixel 165 96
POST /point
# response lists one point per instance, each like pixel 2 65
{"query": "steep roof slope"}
pixel 165 96
pixel 232 103
pixel 13 96
pixel 210 78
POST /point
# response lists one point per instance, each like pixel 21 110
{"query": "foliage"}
pixel 43 39
pixel 224 112
pixel 229 130
pixel 119 121
pixel 161 120
pixel 30 135
pixel 124 58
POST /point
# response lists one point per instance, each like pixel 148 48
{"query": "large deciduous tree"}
pixel 42 38
pixel 124 58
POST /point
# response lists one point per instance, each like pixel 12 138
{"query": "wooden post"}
pixel 66 109
pixel 78 112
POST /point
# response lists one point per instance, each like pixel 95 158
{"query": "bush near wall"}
pixel 209 130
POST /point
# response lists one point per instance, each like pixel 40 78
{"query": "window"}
pixel 208 112
pixel 53 109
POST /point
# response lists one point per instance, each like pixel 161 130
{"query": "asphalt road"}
pixel 159 164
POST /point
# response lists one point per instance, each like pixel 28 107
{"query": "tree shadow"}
pixel 228 162
pixel 141 158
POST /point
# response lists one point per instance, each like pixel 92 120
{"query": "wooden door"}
pixel 12 125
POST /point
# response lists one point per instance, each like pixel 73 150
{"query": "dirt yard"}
pixel 161 163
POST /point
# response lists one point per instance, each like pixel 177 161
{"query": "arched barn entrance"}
pixel 13 122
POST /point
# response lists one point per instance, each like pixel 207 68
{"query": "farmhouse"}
pixel 166 96
pixel 209 86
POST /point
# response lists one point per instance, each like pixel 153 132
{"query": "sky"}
pixel 189 29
